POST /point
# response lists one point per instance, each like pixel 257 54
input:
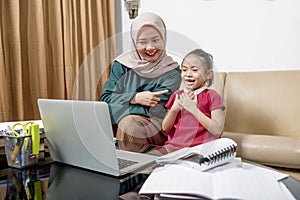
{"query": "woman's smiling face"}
pixel 149 43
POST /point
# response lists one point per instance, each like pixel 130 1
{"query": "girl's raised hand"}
pixel 176 106
pixel 188 101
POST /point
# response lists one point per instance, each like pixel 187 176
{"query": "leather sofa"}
pixel 263 116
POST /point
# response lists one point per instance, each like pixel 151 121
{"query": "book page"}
pixel 176 179
pixel 229 181
pixel 209 150
pixel 264 169
pixel 245 183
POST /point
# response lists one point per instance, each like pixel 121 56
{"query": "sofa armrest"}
pixel 267 149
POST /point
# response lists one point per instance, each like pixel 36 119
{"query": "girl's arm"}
pixel 170 117
pixel 214 124
pixel 217 122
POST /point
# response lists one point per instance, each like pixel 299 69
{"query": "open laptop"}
pixel 79 133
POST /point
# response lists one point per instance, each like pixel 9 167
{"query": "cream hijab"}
pixel 133 60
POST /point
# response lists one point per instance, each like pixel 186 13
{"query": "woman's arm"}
pixel 109 87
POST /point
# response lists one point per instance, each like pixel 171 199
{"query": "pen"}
pixel 23 156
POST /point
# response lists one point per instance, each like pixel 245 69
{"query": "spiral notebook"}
pixel 204 156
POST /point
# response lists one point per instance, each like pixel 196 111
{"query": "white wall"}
pixel 242 35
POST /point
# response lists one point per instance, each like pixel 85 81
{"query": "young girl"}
pixel 195 114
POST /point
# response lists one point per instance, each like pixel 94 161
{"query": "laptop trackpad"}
pixel 141 159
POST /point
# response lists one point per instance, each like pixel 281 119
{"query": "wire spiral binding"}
pixel 229 151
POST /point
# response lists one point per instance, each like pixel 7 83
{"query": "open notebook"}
pixel 204 156
pixel 79 133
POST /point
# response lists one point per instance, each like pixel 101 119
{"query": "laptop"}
pixel 79 133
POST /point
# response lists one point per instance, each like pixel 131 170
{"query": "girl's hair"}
pixel 207 60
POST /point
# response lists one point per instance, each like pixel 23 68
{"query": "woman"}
pixel 140 84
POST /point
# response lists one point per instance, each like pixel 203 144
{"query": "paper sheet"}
pixel 246 182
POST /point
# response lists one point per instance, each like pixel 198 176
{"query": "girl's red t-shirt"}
pixel 187 130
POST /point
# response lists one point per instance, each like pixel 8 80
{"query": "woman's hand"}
pixel 147 98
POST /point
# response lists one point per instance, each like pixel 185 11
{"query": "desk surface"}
pixel 57 181
pixel 53 180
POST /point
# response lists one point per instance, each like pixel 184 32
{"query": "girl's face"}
pixel 149 43
pixel 193 72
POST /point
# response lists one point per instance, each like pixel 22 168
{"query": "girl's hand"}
pixel 176 106
pixel 188 101
pixel 190 94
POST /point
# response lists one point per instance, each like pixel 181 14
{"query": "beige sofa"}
pixel 263 116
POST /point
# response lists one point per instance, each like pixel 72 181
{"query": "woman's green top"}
pixel 124 83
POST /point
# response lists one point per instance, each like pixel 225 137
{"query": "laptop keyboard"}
pixel 125 163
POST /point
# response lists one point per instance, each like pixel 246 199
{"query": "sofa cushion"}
pixel 265 103
pixel 267 149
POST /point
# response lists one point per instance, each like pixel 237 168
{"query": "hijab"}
pixel 133 60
